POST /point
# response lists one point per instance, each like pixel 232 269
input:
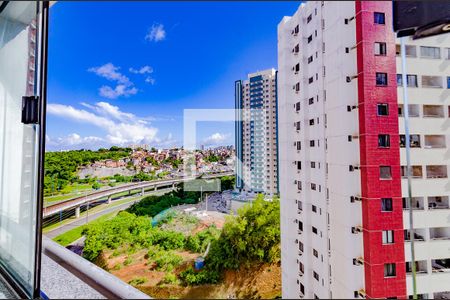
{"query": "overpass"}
pixel 77 202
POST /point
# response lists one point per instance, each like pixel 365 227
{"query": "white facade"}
pixel 429 101
pixel 257 133
pixel 318 247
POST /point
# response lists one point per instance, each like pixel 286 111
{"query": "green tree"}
pixel 252 236
pixel 227 182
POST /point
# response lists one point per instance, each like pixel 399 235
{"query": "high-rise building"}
pixel 256 133
pixel 344 223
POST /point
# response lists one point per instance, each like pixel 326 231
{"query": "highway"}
pixel 95 196
pixel 81 221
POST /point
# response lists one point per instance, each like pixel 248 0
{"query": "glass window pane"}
pixel 18 158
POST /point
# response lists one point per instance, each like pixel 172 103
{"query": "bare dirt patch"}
pixel 259 281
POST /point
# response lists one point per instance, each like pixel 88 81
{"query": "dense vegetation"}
pixel 198 242
pixel 227 182
pixel 61 167
pixel 252 236
pixel 153 205
pixel 127 229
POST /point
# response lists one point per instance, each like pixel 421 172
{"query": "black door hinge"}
pixel 30 110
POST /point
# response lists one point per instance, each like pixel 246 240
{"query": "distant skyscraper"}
pixel 344 218
pixel 256 133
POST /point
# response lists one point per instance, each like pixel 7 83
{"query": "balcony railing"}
pixel 436 171
pixel 439 233
pixel 438 202
pixel 440 265
pixel 93 277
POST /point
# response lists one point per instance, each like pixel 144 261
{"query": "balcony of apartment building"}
pixel 438 202
pixel 421 267
pixel 432 82
pixel 413 110
pixel 432 274
pixel 419 234
pixel 436 171
pixel 414 141
pixel 442 295
pixel 430 280
pixel 417 203
pixel 435 141
pixel 442 233
pixel 430 208
pixel 416 172
pixel 433 111
pixel 440 265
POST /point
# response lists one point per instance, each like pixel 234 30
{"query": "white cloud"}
pixel 120 90
pixel 215 139
pixel 156 33
pixel 124 87
pixel 110 72
pixel 150 80
pixel 75 141
pixel 121 128
pixel 142 70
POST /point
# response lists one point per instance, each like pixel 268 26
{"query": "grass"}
pixel 74 234
pixel 94 210
pixel 49 227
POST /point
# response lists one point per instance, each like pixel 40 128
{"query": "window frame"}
pixel 379 105
pixel 386 205
pixel 383 82
pixel 379 18
pixel 387 140
pixel 385 168
pixel 429 48
pixel 390 270
pixel 381 47
pixel 387 237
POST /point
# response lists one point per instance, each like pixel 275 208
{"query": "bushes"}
pixel 227 182
pixel 138 281
pixel 153 205
pixel 127 229
pixel 190 277
pixel 169 240
pixel 128 261
pixel 167 261
pixel 164 260
pixel 169 278
pixel 252 236
pixel 199 242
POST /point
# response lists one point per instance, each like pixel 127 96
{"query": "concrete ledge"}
pixel 67 275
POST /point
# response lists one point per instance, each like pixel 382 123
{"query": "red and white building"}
pixel 344 222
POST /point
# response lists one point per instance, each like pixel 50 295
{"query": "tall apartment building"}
pixel 256 133
pixel 344 223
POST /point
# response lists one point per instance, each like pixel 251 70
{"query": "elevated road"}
pixel 95 196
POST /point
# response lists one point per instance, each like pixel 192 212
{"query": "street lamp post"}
pixel 408 162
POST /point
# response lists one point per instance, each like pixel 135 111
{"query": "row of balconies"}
pixel 428 111
pixel 435 202
pixel 428 234
pixel 430 141
pixel 434 171
pixel 437 266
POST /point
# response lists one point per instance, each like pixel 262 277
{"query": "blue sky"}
pixel 123 72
